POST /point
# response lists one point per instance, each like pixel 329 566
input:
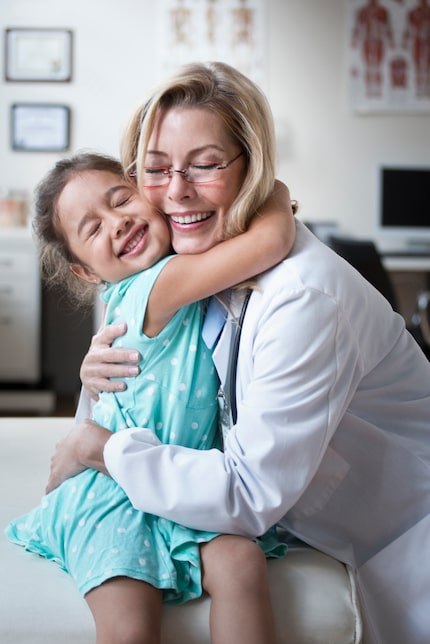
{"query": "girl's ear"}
pixel 84 274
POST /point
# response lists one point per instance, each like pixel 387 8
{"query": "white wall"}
pixel 327 155
pixel 113 43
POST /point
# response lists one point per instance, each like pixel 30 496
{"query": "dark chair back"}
pixel 365 258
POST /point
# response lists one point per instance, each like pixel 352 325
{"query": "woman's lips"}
pixel 193 218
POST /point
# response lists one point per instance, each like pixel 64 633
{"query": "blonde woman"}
pixel 332 435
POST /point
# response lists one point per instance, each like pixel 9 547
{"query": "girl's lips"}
pixel 191 218
pixel 134 242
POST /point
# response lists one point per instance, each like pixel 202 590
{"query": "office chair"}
pixel 422 315
pixel 364 256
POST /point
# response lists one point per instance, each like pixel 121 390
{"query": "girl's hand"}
pixel 103 362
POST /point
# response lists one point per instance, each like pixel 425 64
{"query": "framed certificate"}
pixel 36 127
pixel 38 55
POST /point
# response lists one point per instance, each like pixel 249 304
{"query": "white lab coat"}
pixel 332 439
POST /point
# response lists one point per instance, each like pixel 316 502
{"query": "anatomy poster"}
pixel 201 30
pixel 389 55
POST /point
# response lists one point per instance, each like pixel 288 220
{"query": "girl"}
pixel 95 229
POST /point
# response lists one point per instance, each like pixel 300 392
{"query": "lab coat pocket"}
pixel 332 471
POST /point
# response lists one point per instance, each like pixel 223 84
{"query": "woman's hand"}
pixel 80 449
pixel 103 362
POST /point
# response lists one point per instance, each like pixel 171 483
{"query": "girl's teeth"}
pixel 134 242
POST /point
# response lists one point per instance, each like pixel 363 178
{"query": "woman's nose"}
pixel 178 188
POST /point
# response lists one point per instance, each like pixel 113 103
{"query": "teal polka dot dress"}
pixel 87 525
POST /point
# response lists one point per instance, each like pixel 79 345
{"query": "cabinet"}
pixel 19 307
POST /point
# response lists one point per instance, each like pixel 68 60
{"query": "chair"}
pixel 364 256
pixel 422 315
pixel 314 596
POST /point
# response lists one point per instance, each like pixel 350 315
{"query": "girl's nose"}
pixel 120 224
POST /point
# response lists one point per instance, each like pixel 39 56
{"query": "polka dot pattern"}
pixel 87 525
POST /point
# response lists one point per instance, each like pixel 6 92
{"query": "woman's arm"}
pixel 190 278
pixel 285 420
pixel 284 411
pixel 81 448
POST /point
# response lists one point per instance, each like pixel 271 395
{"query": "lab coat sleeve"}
pixel 295 373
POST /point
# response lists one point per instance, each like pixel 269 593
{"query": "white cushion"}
pixel 314 596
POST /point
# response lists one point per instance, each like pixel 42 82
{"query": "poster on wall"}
pixel 389 56
pixel 231 31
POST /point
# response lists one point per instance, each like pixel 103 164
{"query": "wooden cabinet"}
pixel 19 307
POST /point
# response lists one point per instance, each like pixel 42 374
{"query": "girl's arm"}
pixel 189 278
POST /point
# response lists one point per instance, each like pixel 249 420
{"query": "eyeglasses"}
pixel 154 176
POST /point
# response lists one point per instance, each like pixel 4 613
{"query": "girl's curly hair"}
pixel 55 254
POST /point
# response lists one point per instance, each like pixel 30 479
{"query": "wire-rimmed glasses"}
pixel 154 176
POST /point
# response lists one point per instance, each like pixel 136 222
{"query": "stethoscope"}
pixel 227 396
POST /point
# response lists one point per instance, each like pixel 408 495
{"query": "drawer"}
pixel 19 307
pixel 19 347
pixel 17 262
pixel 15 293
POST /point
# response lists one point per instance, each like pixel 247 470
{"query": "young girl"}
pixel 96 229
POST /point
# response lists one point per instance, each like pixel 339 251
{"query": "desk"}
pixel 407 263
pixel 410 274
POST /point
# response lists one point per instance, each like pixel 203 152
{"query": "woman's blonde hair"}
pixel 247 117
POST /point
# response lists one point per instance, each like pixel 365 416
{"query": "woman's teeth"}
pixel 133 243
pixel 191 219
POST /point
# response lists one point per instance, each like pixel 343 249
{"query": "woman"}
pixel 332 438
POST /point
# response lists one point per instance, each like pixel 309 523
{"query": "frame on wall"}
pixel 388 62
pixel 38 55
pixel 39 127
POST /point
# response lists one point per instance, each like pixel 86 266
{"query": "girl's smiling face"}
pixel 109 228
pixel 196 212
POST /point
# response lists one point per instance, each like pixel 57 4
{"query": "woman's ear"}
pixel 84 274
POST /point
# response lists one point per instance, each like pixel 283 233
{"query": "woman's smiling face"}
pixel 196 212
pixel 111 230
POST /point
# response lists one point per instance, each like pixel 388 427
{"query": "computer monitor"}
pixel 404 207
